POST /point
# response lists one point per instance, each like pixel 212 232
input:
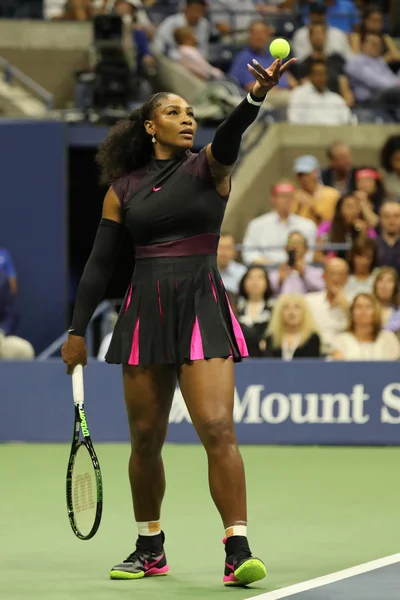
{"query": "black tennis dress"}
pixel 176 308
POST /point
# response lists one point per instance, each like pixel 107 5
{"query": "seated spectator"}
pixel 313 200
pixel 144 59
pixel 230 270
pixel 85 10
pixel 372 81
pixel 336 40
pixel 337 81
pixel 295 276
pixel 341 14
pixel 259 40
pixel 387 291
pixel 11 346
pixel 7 267
pixel 142 20
pixel 348 223
pixel 192 16
pixel 71 10
pixel 254 303
pixel 191 58
pixel 340 174
pixel 373 22
pixel 390 162
pixel 314 104
pixel 232 16
pixel 369 183
pixel 389 237
pixel 271 230
pixel 330 307
pixel 362 260
pixel 292 332
pixel 364 338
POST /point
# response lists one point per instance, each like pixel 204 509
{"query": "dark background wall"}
pixel 33 223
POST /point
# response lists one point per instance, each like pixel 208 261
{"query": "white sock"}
pixel 149 528
pixel 236 530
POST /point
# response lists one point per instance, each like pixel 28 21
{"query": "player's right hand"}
pixel 74 352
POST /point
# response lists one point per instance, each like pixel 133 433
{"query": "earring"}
pixel 153 139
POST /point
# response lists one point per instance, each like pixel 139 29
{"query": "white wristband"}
pixel 251 101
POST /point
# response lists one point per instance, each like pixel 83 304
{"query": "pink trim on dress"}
pixel 213 288
pixel 128 300
pixel 134 356
pixel 196 343
pixel 237 330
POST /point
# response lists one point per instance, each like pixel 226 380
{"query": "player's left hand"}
pixel 266 79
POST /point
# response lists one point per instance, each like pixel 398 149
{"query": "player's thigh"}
pixel 208 388
pixel 148 392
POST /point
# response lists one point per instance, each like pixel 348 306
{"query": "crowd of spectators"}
pixel 348 63
pixel 320 272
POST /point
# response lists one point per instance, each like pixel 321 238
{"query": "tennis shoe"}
pixel 242 569
pixel 141 563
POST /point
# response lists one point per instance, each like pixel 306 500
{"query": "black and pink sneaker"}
pixel 242 568
pixel 142 563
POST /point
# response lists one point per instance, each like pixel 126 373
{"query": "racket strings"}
pixel 84 491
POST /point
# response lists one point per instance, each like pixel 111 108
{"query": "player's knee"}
pixel 147 441
pixel 218 434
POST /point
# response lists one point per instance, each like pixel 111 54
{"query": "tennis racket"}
pixel 84 482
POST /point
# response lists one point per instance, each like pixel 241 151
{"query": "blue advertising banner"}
pixel 310 402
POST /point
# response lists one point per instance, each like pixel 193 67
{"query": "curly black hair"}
pixel 339 231
pixel 391 146
pixel 128 146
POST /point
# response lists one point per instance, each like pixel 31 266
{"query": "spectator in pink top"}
pixel 348 223
pixel 369 183
pixel 191 57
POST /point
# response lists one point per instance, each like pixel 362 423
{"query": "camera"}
pixel 113 73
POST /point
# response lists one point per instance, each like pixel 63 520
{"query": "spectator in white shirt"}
pixel 314 104
pixel 364 338
pixel 193 16
pixel 330 308
pixel 269 232
pixel 337 41
pixel 230 270
pixel 191 58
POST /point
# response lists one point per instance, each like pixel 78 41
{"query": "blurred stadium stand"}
pixel 39 63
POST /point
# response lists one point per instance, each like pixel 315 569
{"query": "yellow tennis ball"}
pixel 279 48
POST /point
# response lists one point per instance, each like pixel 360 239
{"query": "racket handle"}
pixel 77 385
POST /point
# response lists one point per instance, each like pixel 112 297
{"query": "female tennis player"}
pixel 176 322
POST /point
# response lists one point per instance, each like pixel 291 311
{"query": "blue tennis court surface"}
pixel 376 580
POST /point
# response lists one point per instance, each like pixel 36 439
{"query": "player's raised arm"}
pixel 222 153
pixel 94 280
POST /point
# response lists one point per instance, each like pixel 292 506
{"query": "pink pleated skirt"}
pixel 176 308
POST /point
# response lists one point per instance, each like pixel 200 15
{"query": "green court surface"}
pixel 312 511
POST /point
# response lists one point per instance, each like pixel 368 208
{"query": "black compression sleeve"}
pixel 226 144
pixel 96 275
